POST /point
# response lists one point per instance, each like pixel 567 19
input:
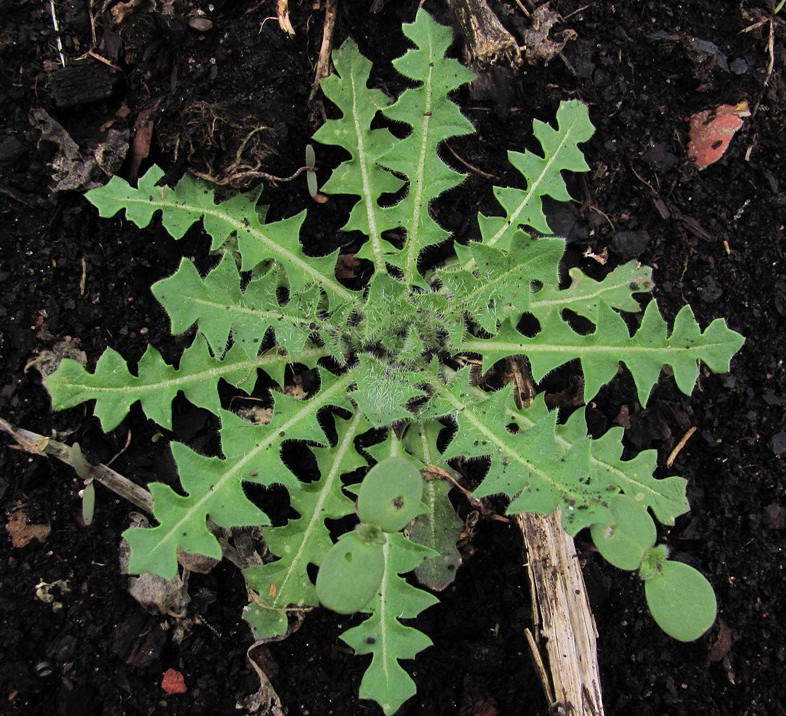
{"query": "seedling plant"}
pixel 398 372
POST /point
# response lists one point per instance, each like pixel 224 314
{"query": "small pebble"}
pixel 629 244
pixel 200 24
pixel 738 66
pixel 778 443
pixel 43 669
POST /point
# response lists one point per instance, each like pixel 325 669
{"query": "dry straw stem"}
pixel 563 620
pixel 36 444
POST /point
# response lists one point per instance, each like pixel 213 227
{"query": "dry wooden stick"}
pixel 488 42
pixel 564 625
pixel 282 13
pixel 36 444
pixel 323 61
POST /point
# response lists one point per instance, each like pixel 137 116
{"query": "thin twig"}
pixel 323 61
pixel 56 25
pixel 251 174
pixel 474 501
pixel 469 166
pixel 678 447
pixel 282 13
pixel 36 444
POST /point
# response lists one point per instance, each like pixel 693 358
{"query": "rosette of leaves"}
pixel 394 357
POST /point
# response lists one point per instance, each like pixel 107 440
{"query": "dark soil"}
pixel 715 238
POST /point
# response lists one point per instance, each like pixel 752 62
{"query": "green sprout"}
pixel 391 365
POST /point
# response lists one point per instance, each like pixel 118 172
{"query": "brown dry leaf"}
pixel 21 532
pixel 723 642
pixel 154 593
pixel 73 169
pixel 198 563
pixel 255 414
pixel 711 132
pixel 123 9
pixel 264 700
pixel 47 362
pixel 143 136
pixel 538 47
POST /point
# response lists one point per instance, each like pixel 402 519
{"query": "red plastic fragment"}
pixel 711 132
pixel 172 682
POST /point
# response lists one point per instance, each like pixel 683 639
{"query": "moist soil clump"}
pixel 218 90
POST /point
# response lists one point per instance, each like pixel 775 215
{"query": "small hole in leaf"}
pixel 398 502
pixel 528 325
pixel 578 323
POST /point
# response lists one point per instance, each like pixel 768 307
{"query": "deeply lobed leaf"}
pixel 383 635
pixel 213 486
pixel 284 583
pixel 191 201
pixel 644 353
pixel 397 341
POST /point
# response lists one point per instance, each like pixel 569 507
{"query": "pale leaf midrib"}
pixel 240 226
pixel 563 442
pixel 530 193
pixel 468 414
pixel 194 510
pixel 218 371
pixel 586 297
pixel 418 182
pixel 316 514
pixel 577 350
pixel 270 314
pixel 367 196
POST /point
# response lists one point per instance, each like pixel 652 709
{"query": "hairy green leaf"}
pixel 382 392
pixel 523 208
pixel 191 201
pixel 361 175
pixel 501 283
pixel 585 297
pixel 213 486
pixel 285 583
pixel 156 383
pixel 600 352
pixel 383 635
pixel 223 309
pixel 395 344
pixel 433 118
